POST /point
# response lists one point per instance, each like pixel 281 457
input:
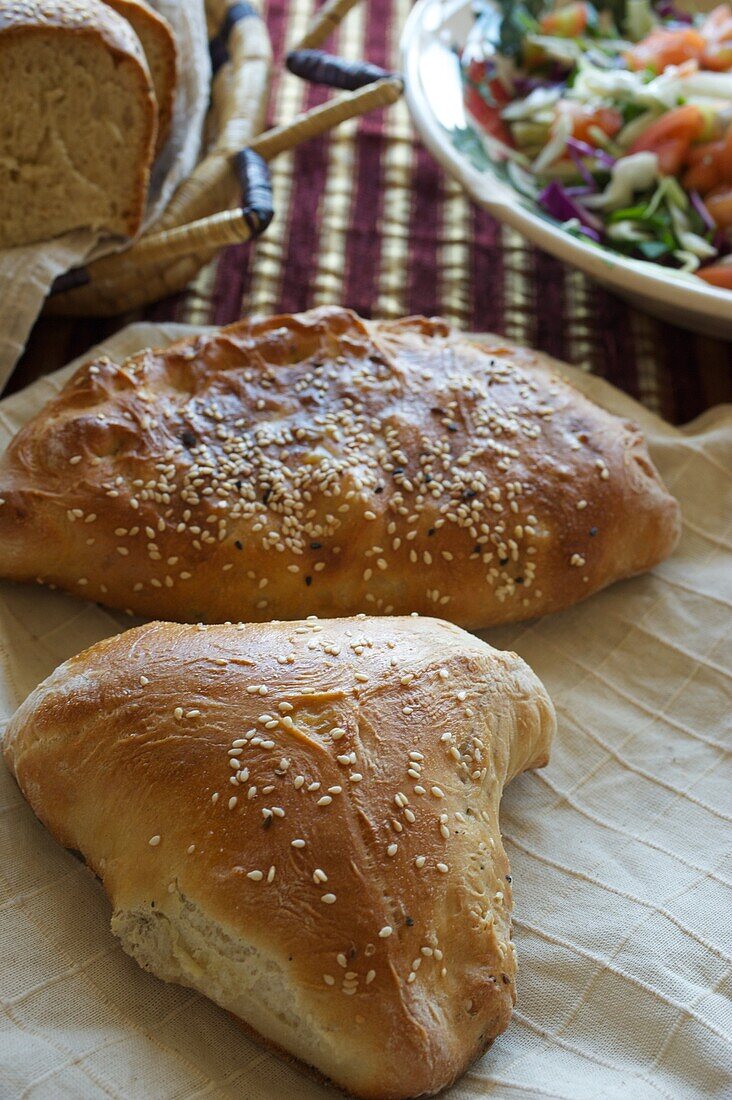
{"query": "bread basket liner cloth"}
pixel 619 850
pixel 27 273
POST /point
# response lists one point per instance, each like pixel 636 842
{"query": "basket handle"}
pixel 326 68
pixel 208 235
pixel 232 226
pixel 218 46
pixel 328 115
pixel 256 185
pixel 325 22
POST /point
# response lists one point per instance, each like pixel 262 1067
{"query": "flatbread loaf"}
pixel 300 820
pixel 322 464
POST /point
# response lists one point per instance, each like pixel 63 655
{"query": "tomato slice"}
pixel 717 275
pixel 485 97
pixel 718 57
pixel 585 119
pixel 725 156
pixel 666 47
pixel 489 117
pixel 704 172
pixel 670 136
pixel 719 204
pixel 569 22
pixel 709 164
pixel 671 155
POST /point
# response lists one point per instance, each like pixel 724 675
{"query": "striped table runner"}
pixel 366 219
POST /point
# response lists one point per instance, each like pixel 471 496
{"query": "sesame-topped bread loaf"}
pixel 158 41
pixel 300 820
pixel 321 464
pixel 78 120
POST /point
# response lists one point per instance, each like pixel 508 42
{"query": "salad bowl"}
pixel 433 38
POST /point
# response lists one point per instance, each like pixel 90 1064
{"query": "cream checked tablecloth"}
pixel 620 849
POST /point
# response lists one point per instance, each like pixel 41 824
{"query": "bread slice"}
pixel 158 41
pixel 300 820
pixel 78 120
pixel 321 464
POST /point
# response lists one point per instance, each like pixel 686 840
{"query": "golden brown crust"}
pixel 94 19
pixel 155 34
pixel 78 16
pixel 328 465
pixel 379 746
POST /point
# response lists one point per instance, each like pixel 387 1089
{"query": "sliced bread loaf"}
pixel 78 120
pixel 158 42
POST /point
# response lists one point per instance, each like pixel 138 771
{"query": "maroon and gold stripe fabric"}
pixel 365 218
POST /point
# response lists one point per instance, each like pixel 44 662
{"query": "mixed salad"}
pixel 616 118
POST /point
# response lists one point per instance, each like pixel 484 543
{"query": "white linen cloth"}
pixel 619 849
pixel 27 273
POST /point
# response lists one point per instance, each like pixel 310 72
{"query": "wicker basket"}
pixel 198 221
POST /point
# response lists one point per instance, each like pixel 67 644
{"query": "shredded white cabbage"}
pixel 671 88
pixel 689 262
pixel 592 83
pixel 690 242
pixel 566 50
pixel 696 245
pixel 633 130
pixel 662 93
pixel 556 144
pixel 535 102
pixel 628 231
pixel 634 173
pixel 522 180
